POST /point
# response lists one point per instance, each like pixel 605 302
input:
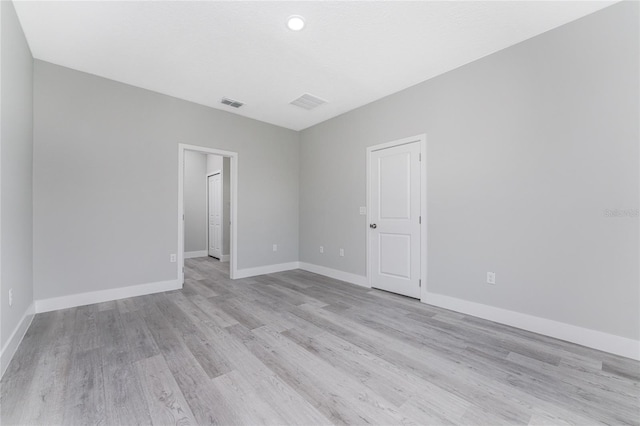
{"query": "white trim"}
pixel 334 273
pixel 422 138
pixel 266 269
pixel 583 336
pixel 89 298
pixel 233 176
pixel 11 346
pixel 224 258
pixel 198 253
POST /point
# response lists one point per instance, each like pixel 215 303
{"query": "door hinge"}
pixel 420 156
pixel 182 217
pixel 183 269
pixel 419 283
pixel 420 219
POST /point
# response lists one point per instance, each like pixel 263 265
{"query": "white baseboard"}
pixel 583 336
pixel 89 298
pixel 225 258
pixel 192 254
pixel 334 273
pixel 11 346
pixel 267 269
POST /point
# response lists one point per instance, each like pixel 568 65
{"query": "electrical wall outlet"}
pixel 491 277
pixel 321 249
pixel 275 247
pixel 342 252
pixel 10 297
pixel 172 258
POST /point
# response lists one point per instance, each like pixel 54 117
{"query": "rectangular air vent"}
pixel 231 102
pixel 308 101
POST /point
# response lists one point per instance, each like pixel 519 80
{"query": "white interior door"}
pixel 395 221
pixel 214 191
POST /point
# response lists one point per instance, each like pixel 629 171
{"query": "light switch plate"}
pixel 363 211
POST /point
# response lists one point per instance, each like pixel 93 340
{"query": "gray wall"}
pixel 195 201
pixel 526 150
pixel 16 145
pixel 106 182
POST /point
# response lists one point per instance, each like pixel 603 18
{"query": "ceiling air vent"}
pixel 308 101
pixel 231 102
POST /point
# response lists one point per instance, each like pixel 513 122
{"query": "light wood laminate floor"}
pixel 299 348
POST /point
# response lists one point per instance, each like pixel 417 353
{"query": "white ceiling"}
pixel 349 54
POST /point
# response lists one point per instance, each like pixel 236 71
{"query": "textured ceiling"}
pixel 349 54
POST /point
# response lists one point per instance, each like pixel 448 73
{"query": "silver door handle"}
pixel 373 226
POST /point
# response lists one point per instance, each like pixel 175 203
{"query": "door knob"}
pixel 373 226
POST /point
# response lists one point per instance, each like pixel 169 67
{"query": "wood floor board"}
pixel 525 343
pixel 282 396
pixel 600 388
pixel 291 296
pixel 401 327
pixel 202 348
pixel 305 379
pixel 288 403
pixel 206 403
pixel 164 398
pixel 438 369
pixel 394 389
pixel 221 318
pixel 484 338
pixel 124 399
pixel 126 305
pixel 622 368
pixel 554 390
pixel 286 280
pixel 200 288
pixel 18 378
pixel 140 341
pixel 85 333
pixel 248 405
pixel 84 398
pixel 49 386
pixel 240 311
pixel 302 349
pixel 48 374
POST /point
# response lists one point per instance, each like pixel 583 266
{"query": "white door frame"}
pixel 233 177
pixel 423 204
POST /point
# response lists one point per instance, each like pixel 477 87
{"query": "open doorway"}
pixel 207 205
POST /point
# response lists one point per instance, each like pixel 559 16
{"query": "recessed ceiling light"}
pixel 295 22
